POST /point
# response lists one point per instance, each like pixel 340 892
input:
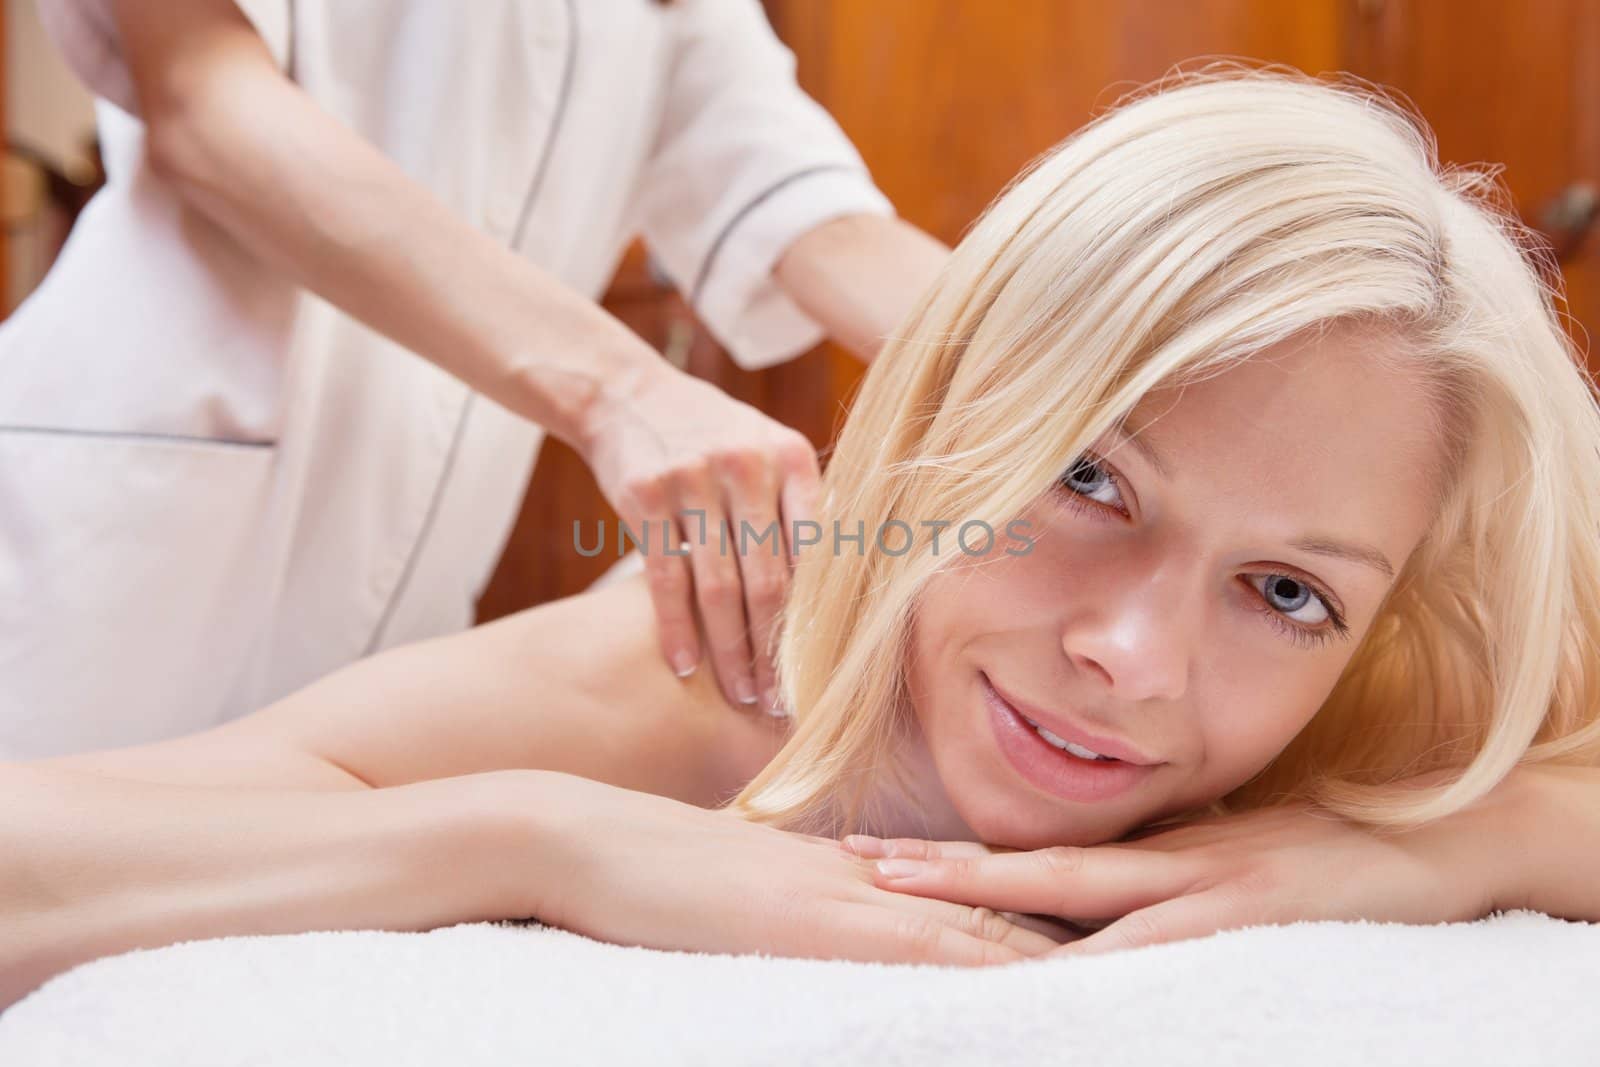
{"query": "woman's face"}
pixel 1193 592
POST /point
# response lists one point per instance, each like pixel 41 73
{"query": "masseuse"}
pixel 224 469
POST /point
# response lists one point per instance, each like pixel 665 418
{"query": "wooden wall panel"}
pixel 1517 85
pixel 5 209
pixel 948 99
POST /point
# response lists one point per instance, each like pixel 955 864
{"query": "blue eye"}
pixel 1292 598
pixel 1087 477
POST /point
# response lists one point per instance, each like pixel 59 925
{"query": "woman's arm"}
pixel 438 783
pixel 1551 854
pixel 96 865
pixel 1531 842
pixel 272 823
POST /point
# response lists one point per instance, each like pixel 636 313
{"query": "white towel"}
pixel 1517 988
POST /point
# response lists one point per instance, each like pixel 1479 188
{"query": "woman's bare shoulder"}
pixel 667 730
pixel 576 685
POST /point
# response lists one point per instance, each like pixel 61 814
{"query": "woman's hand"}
pixel 673 453
pixel 1267 867
pixel 638 869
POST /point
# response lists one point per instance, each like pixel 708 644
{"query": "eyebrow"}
pixel 1316 546
pixel 1144 448
pixel 1356 553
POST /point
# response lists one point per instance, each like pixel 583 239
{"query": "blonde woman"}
pixel 1287 608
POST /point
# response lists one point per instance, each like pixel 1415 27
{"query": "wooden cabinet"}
pixel 948 99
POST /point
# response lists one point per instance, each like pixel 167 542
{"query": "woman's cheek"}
pixel 1253 729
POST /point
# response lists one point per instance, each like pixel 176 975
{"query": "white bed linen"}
pixel 1517 988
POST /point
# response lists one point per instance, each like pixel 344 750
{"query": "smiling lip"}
pixel 1051 769
pixel 1068 731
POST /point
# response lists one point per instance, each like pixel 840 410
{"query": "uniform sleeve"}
pixel 744 164
pixel 86 32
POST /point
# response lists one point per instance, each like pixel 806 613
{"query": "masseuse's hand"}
pixel 638 869
pixel 680 455
pixel 1265 867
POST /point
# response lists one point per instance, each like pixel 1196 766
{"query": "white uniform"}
pixel 215 488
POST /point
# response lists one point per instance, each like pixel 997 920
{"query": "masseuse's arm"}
pixel 861 274
pixel 548 765
pixel 248 149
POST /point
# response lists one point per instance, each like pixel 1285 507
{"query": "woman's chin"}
pixel 1003 808
pixel 1019 819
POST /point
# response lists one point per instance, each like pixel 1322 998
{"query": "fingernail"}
pixel 770 701
pixel 683 663
pixel 901 868
pixel 868 848
pixel 745 690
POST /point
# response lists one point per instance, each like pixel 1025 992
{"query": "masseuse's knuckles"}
pixel 742 467
pixel 794 454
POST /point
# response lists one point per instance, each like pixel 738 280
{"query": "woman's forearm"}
pixel 1552 852
pixel 254 154
pixel 96 866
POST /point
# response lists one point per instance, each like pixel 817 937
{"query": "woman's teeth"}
pixel 1065 745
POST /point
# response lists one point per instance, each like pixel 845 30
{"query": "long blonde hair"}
pixel 1203 221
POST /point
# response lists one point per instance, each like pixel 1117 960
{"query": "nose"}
pixel 1137 637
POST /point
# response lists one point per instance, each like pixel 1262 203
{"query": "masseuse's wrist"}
pixel 575 382
pixel 621 398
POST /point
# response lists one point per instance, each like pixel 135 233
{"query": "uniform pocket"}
pixel 130 593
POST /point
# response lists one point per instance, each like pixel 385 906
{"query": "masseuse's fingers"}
pixel 667 573
pixel 717 583
pixel 798 496
pixel 1072 882
pixel 752 488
